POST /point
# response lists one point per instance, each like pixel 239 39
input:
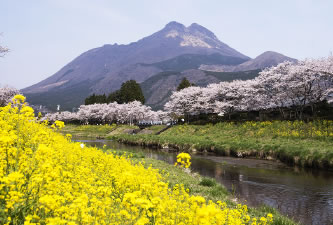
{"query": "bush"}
pixel 208 182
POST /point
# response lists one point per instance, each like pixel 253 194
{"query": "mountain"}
pixel 266 59
pixel 113 64
pixel 101 70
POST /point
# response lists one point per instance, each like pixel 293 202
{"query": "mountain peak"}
pixel 194 29
pixel 175 25
pixel 195 36
pixel 264 60
pixel 271 55
pixel 198 28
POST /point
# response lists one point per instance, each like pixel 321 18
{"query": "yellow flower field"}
pixel 47 179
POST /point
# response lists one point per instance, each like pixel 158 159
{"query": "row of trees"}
pixel 109 113
pixel 96 113
pixel 130 91
pixel 287 85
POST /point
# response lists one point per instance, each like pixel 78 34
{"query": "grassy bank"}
pixel 203 186
pixel 294 143
pixel 95 131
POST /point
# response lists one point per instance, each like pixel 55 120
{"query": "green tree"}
pixel 101 98
pixel 184 84
pixel 114 97
pixel 92 99
pixel 131 91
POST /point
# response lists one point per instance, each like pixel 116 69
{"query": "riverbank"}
pixel 97 131
pixel 293 143
pixel 203 186
pixel 209 188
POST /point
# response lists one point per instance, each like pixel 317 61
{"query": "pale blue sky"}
pixel 44 35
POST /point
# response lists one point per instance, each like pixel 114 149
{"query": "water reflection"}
pixel 306 196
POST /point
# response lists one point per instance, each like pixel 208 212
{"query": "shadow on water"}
pixel 306 196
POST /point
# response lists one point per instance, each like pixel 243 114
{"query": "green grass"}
pixel 209 182
pixel 96 131
pixel 123 129
pixel 130 153
pixel 152 129
pixel 297 143
pixel 103 131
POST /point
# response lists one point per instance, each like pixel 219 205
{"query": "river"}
pixel 305 196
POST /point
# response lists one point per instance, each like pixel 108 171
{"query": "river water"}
pixel 305 196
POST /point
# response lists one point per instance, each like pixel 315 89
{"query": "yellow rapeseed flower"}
pixel 51 180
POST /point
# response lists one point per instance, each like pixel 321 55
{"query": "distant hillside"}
pixel 267 59
pixel 67 98
pixel 192 61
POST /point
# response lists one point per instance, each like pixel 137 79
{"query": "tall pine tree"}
pixel 131 91
pixel 184 84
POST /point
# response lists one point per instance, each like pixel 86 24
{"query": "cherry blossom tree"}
pixel 109 113
pixel 323 69
pixel 237 96
pixel 62 116
pixel 6 95
pixel 185 102
pixel 297 84
pixel 222 98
